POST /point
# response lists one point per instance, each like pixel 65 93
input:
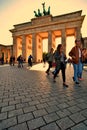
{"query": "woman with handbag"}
pixel 60 59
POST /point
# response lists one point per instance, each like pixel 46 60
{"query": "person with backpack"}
pixel 50 60
pixel 20 61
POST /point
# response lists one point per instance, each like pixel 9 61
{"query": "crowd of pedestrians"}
pixel 77 57
pixel 20 61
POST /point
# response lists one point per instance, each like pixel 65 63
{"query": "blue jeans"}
pixel 77 70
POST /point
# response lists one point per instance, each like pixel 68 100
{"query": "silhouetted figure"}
pixel 11 59
pixel 20 61
pixel 30 60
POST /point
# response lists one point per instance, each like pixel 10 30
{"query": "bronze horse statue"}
pixel 44 11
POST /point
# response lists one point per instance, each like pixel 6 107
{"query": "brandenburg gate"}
pixel 28 37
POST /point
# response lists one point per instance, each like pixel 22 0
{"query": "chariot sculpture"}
pixel 39 14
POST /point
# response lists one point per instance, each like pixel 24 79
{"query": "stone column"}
pixel 34 47
pixel 39 48
pixel 63 39
pixel 0 52
pixel 10 51
pixel 14 50
pixel 49 40
pixel 24 47
pixel 78 33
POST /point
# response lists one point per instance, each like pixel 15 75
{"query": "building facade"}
pixel 5 52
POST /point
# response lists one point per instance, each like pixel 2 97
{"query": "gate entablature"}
pixel 48 22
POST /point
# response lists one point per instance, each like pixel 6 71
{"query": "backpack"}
pixel 47 56
pixel 18 58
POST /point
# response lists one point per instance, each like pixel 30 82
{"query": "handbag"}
pixel 53 64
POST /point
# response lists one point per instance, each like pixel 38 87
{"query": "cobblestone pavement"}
pixel 29 100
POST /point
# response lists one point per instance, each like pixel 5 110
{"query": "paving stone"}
pixel 84 113
pixel 63 105
pixel 39 113
pixel 34 102
pixel 74 109
pixel 39 106
pixel 52 103
pixel 85 122
pixel 14 102
pixel 51 117
pixel 29 109
pixel 19 97
pixel 13 95
pixel 3 116
pixel 51 126
pixel 15 112
pixel 24 100
pixel 72 103
pixel 36 123
pixel 80 126
pixel 52 109
pixel 44 100
pixel 22 126
pixel 77 117
pixel 82 105
pixel 3 104
pixel 22 105
pixel 8 108
pixel 25 117
pixel 80 100
pixel 65 123
pixel 8 99
pixel 8 123
pixel 63 113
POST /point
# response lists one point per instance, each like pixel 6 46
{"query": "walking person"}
pixel 20 61
pixel 60 59
pixel 30 60
pixel 49 60
pixel 76 57
pixel 13 60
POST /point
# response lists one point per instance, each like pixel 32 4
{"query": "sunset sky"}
pixel 20 11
